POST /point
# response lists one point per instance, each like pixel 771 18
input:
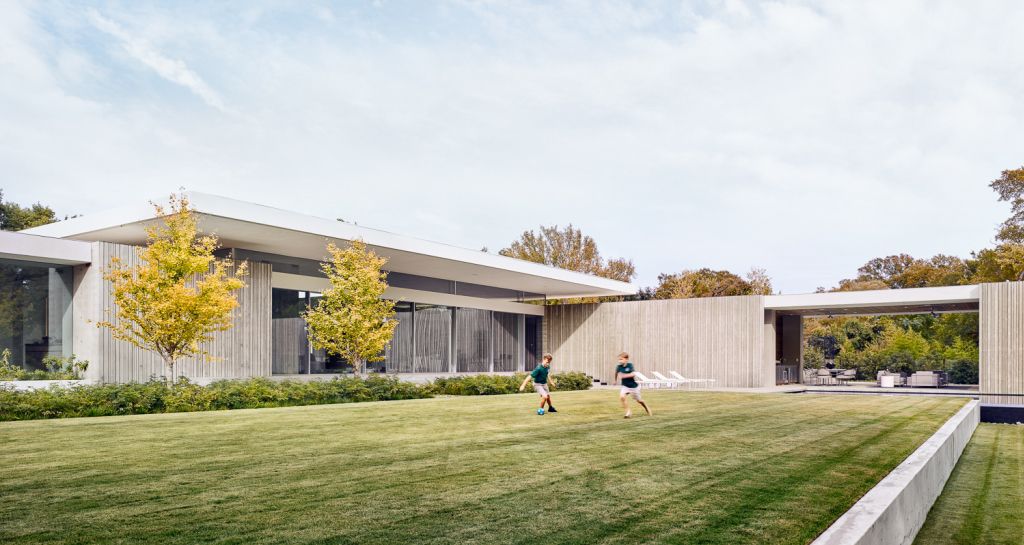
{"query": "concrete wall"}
pixel 721 338
pixel 770 334
pixel 893 512
pixel 240 352
pixel 1001 342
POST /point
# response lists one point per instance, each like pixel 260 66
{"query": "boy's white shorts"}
pixel 635 392
pixel 541 389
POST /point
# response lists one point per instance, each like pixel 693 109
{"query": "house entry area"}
pixel 892 339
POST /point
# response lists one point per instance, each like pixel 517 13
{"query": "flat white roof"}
pixel 909 300
pixel 24 247
pixel 240 224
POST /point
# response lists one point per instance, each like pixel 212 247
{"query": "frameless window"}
pixel 432 339
pixel 35 312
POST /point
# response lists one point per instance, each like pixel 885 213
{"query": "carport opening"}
pixel 891 347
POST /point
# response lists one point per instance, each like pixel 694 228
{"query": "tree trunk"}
pixel 357 367
pixel 169 362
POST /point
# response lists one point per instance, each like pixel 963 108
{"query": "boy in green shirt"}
pixel 626 371
pixel 539 376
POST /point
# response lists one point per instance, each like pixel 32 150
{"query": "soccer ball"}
pixel 540 412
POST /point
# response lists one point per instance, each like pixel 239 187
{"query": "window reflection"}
pixel 35 312
pixel 428 339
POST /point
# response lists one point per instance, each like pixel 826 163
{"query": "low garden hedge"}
pixel 467 385
pixel 156 397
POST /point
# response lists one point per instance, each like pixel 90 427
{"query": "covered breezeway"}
pixel 785 315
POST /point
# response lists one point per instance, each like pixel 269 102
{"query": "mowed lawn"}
pixel 710 468
pixel 983 502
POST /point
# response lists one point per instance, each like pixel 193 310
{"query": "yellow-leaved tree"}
pixel 351 320
pixel 178 294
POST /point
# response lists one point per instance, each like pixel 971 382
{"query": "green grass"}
pixel 983 502
pixel 709 468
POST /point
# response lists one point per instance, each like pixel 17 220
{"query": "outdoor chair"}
pixel 824 377
pixel 683 381
pixel 899 379
pixel 648 382
pixel 671 382
pixel 927 379
pixel 692 381
pixel 845 377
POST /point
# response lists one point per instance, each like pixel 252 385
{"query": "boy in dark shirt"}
pixel 626 371
pixel 540 383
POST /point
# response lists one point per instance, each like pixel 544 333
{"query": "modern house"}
pixel 459 310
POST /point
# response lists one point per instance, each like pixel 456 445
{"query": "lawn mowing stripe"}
pixel 735 517
pixel 970 531
pixel 711 481
pixel 731 510
pixel 344 497
pixel 726 425
pixel 981 502
pixel 1004 514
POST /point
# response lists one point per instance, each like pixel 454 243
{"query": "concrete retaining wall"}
pixel 894 510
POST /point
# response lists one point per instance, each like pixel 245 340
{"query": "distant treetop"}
pixel 14 217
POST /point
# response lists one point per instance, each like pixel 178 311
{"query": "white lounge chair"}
pixel 648 382
pixel 672 382
pixel 703 382
pixel 683 381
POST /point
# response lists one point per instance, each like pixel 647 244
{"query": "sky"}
pixel 804 138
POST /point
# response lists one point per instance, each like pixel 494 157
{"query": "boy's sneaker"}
pixel 552 410
pixel 628 415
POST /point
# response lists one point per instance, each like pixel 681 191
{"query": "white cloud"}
pixel 173 70
pixel 794 136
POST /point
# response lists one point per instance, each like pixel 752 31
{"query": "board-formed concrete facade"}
pixel 721 338
pixel 240 352
pixel 1001 343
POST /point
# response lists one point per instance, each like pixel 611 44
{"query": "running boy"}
pixel 626 372
pixel 540 383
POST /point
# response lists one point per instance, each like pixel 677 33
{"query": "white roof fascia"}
pixel 234 209
pixel 25 247
pixel 875 298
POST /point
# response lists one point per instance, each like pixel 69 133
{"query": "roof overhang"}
pixel 23 247
pixel 871 302
pixel 240 224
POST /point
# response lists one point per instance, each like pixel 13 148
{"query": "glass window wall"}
pixel 507 342
pixel 398 355
pixel 290 346
pixel 35 312
pixel 428 339
pixel 532 342
pixel 432 339
pixel 473 340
